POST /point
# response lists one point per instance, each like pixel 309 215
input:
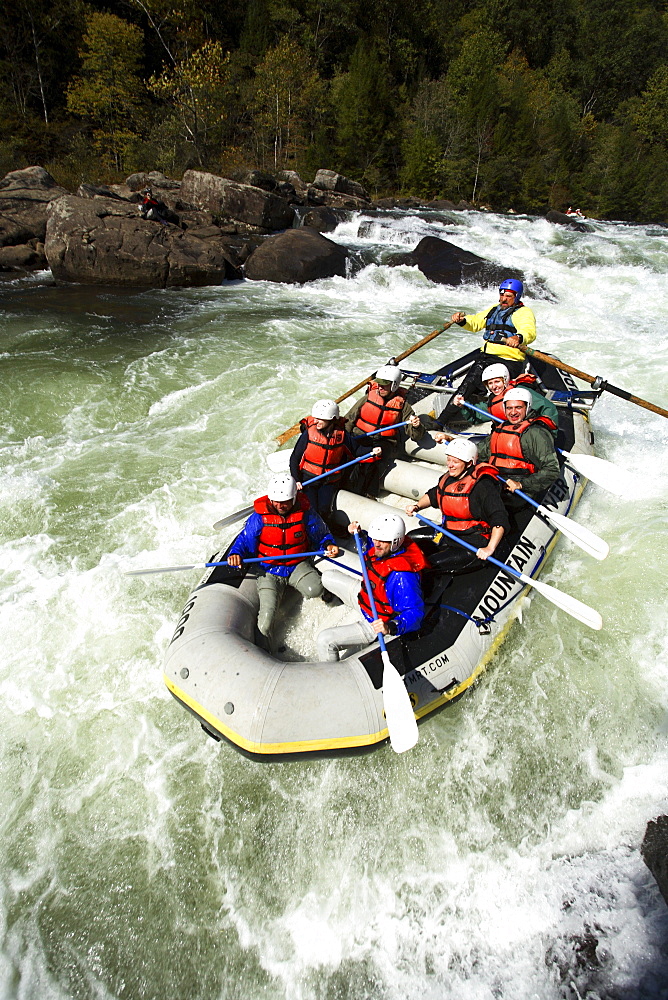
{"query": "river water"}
pixel 500 857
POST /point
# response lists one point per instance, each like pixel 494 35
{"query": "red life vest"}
pixel 505 445
pixel 324 451
pixel 495 403
pixel 377 412
pixel 454 500
pixel 411 560
pixel 282 533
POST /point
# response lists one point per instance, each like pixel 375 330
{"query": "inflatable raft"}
pixel 271 707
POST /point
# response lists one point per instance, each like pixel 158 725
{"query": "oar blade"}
pixel 578 534
pixel 163 569
pixel 401 722
pixel 606 475
pixel 576 609
pixel 232 518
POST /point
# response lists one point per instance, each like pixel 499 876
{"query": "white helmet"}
pixel 520 395
pixel 391 374
pixel 388 528
pixel 462 448
pixel 325 409
pixel 282 488
pixel 495 371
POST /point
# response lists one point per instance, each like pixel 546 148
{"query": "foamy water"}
pixel 497 859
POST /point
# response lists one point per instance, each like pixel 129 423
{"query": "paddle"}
pixel 369 457
pixel 569 604
pixel 605 474
pixel 595 381
pixel 401 723
pixel 291 431
pixel 255 559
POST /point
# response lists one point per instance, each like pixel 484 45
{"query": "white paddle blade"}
pixel 232 518
pixel 163 569
pixel 401 722
pixel 578 534
pixel 576 609
pixel 606 475
pixel 278 461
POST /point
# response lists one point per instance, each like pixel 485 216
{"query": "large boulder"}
pixel 569 221
pixel 322 218
pixel 25 196
pixel 447 264
pixel 296 256
pixel 329 180
pixel 22 258
pixel 654 852
pixel 241 202
pixel 104 242
pixel 153 179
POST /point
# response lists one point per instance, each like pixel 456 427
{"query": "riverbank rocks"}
pixel 654 852
pixel 569 221
pixel 322 218
pixel 296 256
pixel 103 241
pixel 239 202
pixel 447 264
pixel 25 196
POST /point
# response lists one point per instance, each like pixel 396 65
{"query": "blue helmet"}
pixel 514 285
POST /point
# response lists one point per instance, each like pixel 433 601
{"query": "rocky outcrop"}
pixel 22 257
pixel 569 221
pixel 96 191
pixel 296 256
pixel 654 852
pixel 104 242
pixel 153 179
pixel 25 196
pixel 329 180
pixel 447 264
pixel 239 202
pixel 323 218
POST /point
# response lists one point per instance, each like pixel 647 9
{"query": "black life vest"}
pixel 498 323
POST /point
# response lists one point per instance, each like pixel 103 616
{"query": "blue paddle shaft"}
pixel 367 584
pixel 293 555
pixel 362 458
pixel 381 430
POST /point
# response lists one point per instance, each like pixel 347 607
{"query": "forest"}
pixel 502 103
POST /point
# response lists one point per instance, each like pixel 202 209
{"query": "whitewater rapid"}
pixel 139 859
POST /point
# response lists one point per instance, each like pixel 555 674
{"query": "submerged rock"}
pixel 447 264
pixel 569 221
pixel 104 242
pixel 297 256
pixel 654 852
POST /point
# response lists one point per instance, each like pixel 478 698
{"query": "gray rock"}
pixel 447 264
pixel 324 219
pixel 104 242
pixel 329 180
pixel 24 199
pixel 152 179
pixel 654 852
pixel 292 177
pixel 296 256
pixel 256 178
pixel 241 202
pixel 96 191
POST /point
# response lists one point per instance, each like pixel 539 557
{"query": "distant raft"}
pixel 270 708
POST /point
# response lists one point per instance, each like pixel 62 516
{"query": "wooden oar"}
pixel 573 607
pixel 399 715
pixel 291 431
pixel 596 381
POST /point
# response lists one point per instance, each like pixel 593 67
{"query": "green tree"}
pixel 109 91
pixel 196 88
pixel 288 101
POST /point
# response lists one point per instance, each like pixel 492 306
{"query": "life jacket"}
pixel 282 533
pixel 505 446
pixel 498 323
pixel 324 451
pixel 454 499
pixel 377 412
pixel 410 560
pixel 495 403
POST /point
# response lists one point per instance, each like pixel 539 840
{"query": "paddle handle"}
pixel 595 381
pixel 291 431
